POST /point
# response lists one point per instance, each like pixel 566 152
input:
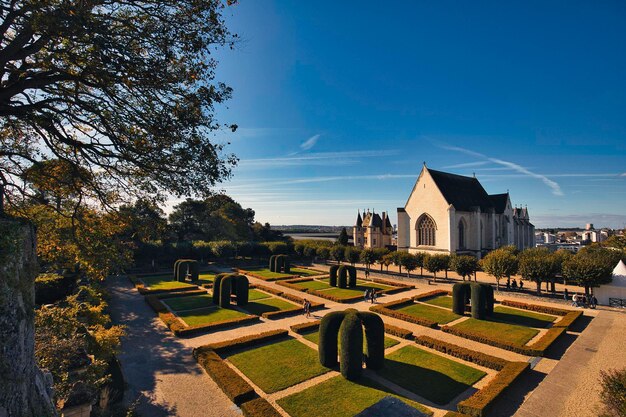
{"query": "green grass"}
pixel 431 376
pixel 267 305
pixel 209 315
pixel 279 365
pixel 443 301
pixel 437 314
pixel 522 317
pixel 313 285
pixel 362 284
pixel 207 277
pixel 511 333
pixel 339 397
pixel 305 272
pixel 257 295
pixel 163 282
pixel 353 292
pixel 266 273
pixel 189 302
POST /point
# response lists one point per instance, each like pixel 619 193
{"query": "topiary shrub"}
pixel 327 345
pixel 217 282
pixel 279 263
pixel 224 300
pixel 459 297
pixel 287 267
pixel 351 362
pixel 243 286
pixel 489 299
pixel 181 269
pixel 375 337
pixel 273 263
pixel 332 277
pixel 351 276
pixel 342 279
pixel 176 269
pixel 478 301
pixel 194 270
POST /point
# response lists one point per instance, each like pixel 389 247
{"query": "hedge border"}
pixel 259 407
pixel 143 290
pixel 568 316
pixel 234 386
pixel 288 297
pixel 431 294
pixel 252 274
pixel 228 346
pixel 460 352
pixel 179 328
pixel 405 317
pixel 289 283
pixel 399 332
pixel 304 328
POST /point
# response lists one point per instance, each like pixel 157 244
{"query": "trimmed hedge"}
pixel 243 285
pixel 523 350
pixel 342 280
pixel 351 331
pixel 430 294
pixel 217 283
pixel 479 301
pixel 351 277
pixel 225 291
pixel 469 355
pixel 481 401
pixel 398 303
pixel 568 319
pixel 244 342
pixel 570 316
pixel 181 264
pixel 234 386
pixel 279 263
pixel 398 331
pixel 455 414
pixel 375 336
pixel 307 327
pixel 259 407
pixel 406 317
pixel 343 300
pixel 287 265
pixel 332 275
pixel 547 339
pixel 460 292
pixel 273 263
pixel 327 345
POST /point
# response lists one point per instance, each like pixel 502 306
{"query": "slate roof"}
pixel 463 193
pixel 359 221
pixel 499 201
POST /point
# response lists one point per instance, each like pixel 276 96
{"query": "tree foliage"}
pixel 464 265
pixel 537 265
pixel 591 267
pixel 613 393
pixel 343 237
pixel 499 263
pixel 122 93
pixel 435 263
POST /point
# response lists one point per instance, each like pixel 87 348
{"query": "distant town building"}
pixel 448 213
pixel 372 230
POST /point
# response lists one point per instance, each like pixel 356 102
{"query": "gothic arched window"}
pixel 426 231
pixel 461 234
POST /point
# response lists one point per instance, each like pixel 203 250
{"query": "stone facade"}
pixel 448 213
pixel 24 390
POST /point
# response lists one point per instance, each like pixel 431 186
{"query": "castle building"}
pixel 448 213
pixel 372 230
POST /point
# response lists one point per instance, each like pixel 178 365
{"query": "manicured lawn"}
pixel 511 333
pixel 364 284
pixel 431 376
pixel 257 295
pixel 209 315
pixel 267 274
pixel 163 282
pixel 522 317
pixel 313 285
pixel 352 292
pixel 305 272
pixel 443 301
pixel 267 305
pixel 189 302
pixel 315 338
pixel 339 397
pixel 279 365
pixel 207 277
pixel 439 315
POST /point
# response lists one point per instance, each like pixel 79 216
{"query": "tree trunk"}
pixel 24 389
pixel 553 287
pixel 475 279
pixel 446 274
pixel 435 276
pixel 498 284
pixel 538 287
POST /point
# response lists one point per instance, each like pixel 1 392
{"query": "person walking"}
pixel 367 273
pixel 374 295
pixel 366 296
pixel 565 295
pixel 575 300
pixel 514 284
pixel 593 301
pixel 307 308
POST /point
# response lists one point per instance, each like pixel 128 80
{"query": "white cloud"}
pixel 553 185
pixel 319 158
pixel 310 142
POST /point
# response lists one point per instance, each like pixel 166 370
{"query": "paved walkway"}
pixel 160 370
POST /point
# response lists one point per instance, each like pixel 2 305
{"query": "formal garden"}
pixel 347 362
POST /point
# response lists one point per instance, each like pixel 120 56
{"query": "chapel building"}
pixel 453 214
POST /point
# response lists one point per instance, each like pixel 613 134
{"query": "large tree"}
pixel 122 93
pixel 499 263
pixel 538 265
pixel 591 267
pixel 464 265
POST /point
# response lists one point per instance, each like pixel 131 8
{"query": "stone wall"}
pixel 24 390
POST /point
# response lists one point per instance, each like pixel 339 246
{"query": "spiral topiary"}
pixel 375 337
pixel 489 299
pixel 327 345
pixel 460 292
pixel 225 291
pixel 351 331
pixel 273 263
pixel 332 277
pixel 478 301
pixel 243 286
pixel 351 276
pixel 342 279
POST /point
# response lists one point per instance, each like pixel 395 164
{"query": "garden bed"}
pixel 321 288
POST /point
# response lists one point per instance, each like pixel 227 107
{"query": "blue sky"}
pixel 339 104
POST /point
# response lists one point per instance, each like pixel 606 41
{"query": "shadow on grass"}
pixel 509 318
pixel 512 398
pixel 434 386
pixel 258 308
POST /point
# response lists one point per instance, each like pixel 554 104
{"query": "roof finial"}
pixel 424 162
pixel 474 174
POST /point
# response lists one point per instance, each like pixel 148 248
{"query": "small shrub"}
pixel 307 327
pixel 234 386
pixel 613 394
pixel 259 407
pixel 398 331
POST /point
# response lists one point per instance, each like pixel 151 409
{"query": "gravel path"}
pixel 160 370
